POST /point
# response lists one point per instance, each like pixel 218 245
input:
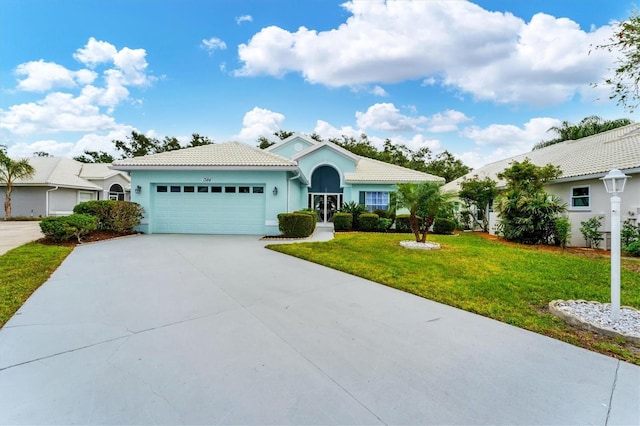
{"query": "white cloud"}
pixel 379 91
pixel 52 147
pixel 244 18
pixel 491 55
pixel 259 122
pixel 447 121
pixel 387 117
pixel 213 44
pixel 95 53
pixel 42 76
pixel 508 140
pixel 327 131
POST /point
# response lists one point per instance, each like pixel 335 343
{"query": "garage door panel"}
pixel 208 213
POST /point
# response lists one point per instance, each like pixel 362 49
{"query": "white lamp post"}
pixel 614 184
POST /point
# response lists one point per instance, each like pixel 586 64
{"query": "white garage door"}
pixel 208 209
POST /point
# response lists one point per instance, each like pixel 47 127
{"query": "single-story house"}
pixel 234 188
pixel 583 163
pixel 60 183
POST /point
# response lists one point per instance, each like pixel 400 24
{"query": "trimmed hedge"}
pixel 368 222
pixel 402 223
pixel 62 228
pixel 342 221
pixel 633 249
pixel 309 212
pixel 384 223
pixel 113 216
pixel 443 225
pixel 296 225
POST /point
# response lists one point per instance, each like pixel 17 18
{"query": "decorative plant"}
pixel 590 231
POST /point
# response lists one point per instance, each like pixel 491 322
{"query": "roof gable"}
pixel 327 145
pixel 292 145
pixel 57 171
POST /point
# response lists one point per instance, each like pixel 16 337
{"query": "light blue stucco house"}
pixel 234 188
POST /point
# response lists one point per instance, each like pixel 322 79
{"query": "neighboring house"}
pixel 583 162
pixel 234 188
pixel 60 183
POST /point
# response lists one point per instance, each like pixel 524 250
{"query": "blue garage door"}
pixel 208 209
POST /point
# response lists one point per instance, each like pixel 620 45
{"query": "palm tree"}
pixel 422 200
pixel 10 171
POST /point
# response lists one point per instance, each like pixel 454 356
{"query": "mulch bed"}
pixel 91 238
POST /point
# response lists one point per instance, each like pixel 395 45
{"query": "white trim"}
pixel 326 163
pixel 271 223
pixel 571 197
pixel 213 168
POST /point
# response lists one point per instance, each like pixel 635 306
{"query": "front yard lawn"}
pixel 509 283
pixel 23 270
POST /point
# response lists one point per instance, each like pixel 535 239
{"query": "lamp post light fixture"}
pixel 614 183
pixel 275 190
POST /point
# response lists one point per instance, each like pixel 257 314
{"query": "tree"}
pixel 10 171
pixel 169 143
pixel 625 82
pixel 198 140
pixel 527 212
pixel 588 126
pixel 263 142
pixel 283 134
pixel 95 157
pixel 137 145
pixel 447 166
pixel 41 154
pixel 422 200
pixel 478 193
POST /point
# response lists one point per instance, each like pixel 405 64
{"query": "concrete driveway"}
pixel 176 329
pixel 14 234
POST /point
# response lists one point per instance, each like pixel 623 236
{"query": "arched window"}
pixel 116 192
pixel 325 179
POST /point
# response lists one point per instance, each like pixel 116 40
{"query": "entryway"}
pixel 325 205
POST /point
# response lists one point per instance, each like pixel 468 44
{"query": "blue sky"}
pixel 483 79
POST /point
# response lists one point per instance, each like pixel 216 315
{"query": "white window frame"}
pixel 572 197
pixel 91 195
pixel 372 207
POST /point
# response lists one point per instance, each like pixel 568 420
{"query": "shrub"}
pixel 342 221
pixel 296 225
pixel 355 209
pixel 443 226
pixel 384 223
pixel 382 214
pixel 402 223
pixel 368 222
pixel 62 228
pixel 562 231
pixel 113 216
pixel 630 233
pixel 590 232
pixel 633 249
pixel 309 212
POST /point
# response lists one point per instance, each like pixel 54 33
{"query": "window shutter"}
pixel 362 198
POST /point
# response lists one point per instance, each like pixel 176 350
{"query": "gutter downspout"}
pixel 289 191
pixel 46 208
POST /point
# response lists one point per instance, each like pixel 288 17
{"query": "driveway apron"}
pixel 178 329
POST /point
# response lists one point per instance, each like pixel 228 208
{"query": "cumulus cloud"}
pixel 327 131
pixel 41 76
pixel 259 122
pixel 387 117
pixel 213 44
pixel 508 135
pixel 244 18
pixel 379 91
pixel 447 121
pixel 95 52
pixel 490 55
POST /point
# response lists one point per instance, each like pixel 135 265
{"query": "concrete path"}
pixel 177 329
pixel 14 234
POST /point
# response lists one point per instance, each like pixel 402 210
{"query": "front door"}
pixel 325 205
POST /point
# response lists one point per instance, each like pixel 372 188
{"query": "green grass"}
pixel 512 284
pixel 23 270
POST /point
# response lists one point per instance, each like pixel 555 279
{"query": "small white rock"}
pixel 428 245
pixel 599 314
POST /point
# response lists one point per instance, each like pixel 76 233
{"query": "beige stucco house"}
pixel 61 183
pixel 583 163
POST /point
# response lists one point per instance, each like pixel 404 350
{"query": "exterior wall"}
pixel 106 185
pixel 270 179
pixel 25 201
pixel 355 189
pixel 326 157
pixel 291 148
pixel 63 200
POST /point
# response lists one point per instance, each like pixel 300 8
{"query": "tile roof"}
pixel 230 154
pixel 374 171
pixel 58 171
pixel 593 155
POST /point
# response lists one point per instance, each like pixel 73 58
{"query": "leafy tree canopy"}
pixel 138 144
pixel 527 177
pixel 588 126
pixel 95 157
pixel 625 42
pixel 479 193
pixel 41 154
